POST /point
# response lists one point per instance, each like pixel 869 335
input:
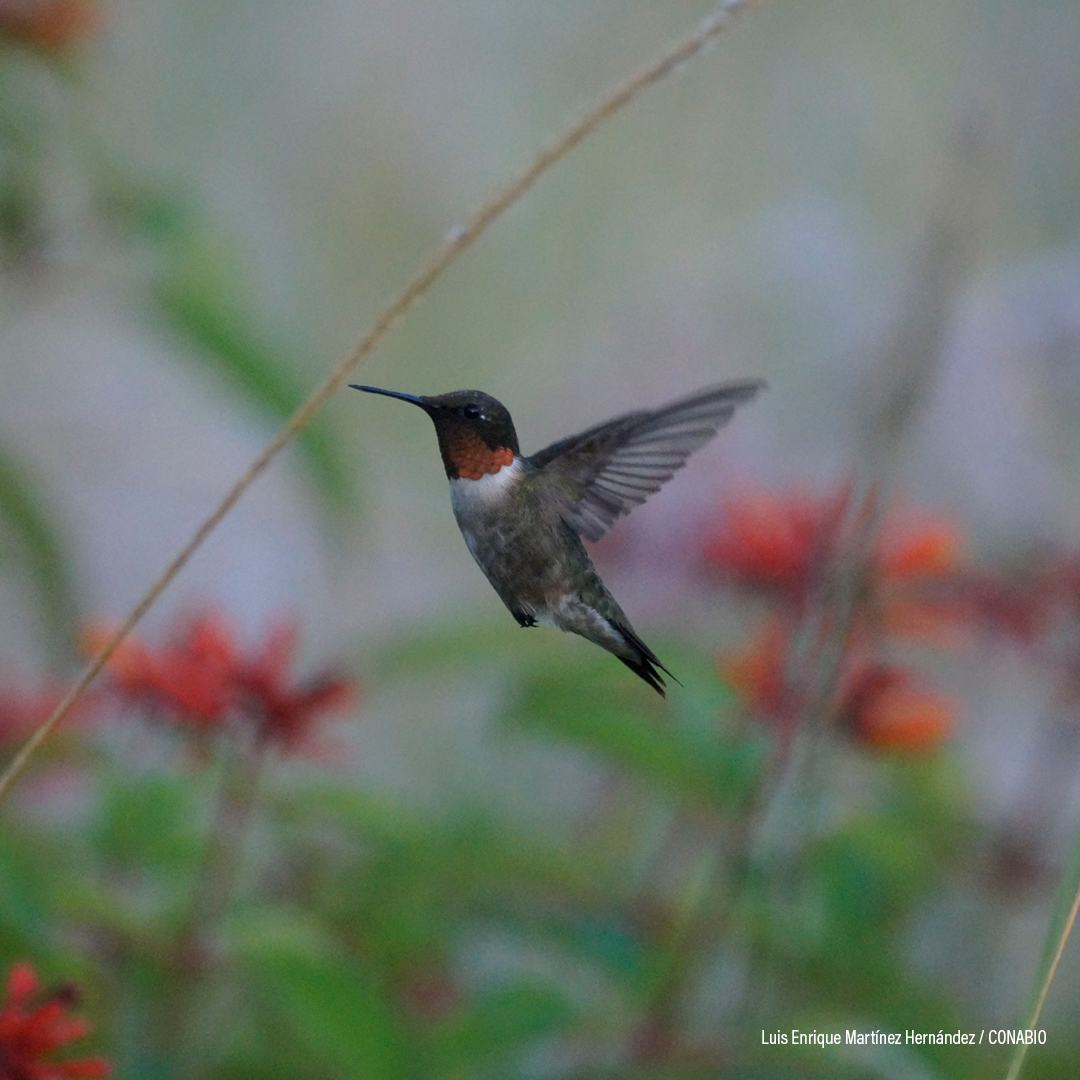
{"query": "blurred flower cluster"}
pixel 33 1025
pixel 202 679
pixel 789 547
pixel 229 705
pixel 863 601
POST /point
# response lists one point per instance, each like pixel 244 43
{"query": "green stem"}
pixel 213 888
pixel 1061 925
pixel 704 918
pixel 657 1031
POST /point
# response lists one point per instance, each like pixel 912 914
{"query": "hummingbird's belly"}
pixel 533 560
pixel 530 572
pixel 524 570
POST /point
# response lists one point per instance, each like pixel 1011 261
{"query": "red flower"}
pixel 882 706
pixel 49 24
pixel 29 1033
pixel 202 678
pixel 785 544
pixel 286 712
pixel 887 709
pixel 190 679
pixel 911 566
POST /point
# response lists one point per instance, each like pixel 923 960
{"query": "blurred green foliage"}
pixel 363 936
pixel 197 294
pixel 196 289
pixel 31 543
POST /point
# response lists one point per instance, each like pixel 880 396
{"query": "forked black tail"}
pixel 645 664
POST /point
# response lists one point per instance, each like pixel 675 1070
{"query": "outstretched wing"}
pixel 605 472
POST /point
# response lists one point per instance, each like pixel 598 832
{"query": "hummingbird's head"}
pixel 476 434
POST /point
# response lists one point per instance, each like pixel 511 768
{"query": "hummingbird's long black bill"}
pixel 388 393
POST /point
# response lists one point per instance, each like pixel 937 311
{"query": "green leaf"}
pixel 605 939
pixel 36 542
pixel 22 908
pixel 498 1025
pixel 408 884
pixel 336 1009
pixel 150 821
pixel 447 648
pixel 198 297
pixel 594 706
pixel 140 212
pixel 473 853
pixel 363 814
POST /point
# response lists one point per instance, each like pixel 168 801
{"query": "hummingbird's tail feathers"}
pixel 643 668
pixel 645 663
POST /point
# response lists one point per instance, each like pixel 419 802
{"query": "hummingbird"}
pixel 524 518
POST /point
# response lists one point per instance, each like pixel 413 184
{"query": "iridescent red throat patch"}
pixel 473 458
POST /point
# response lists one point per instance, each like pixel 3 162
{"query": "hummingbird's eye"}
pixel 471 412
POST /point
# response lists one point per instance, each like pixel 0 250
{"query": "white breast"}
pixel 469 497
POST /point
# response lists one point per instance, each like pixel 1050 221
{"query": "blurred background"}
pixel 502 856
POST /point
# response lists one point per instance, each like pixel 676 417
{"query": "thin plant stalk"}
pixel 214 886
pixel 456 242
pixel 1066 907
pixel 215 879
pixel 907 358
pixel 713 897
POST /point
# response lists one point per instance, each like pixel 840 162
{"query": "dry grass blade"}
pixel 455 243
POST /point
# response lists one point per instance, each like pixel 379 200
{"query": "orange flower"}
pixel 756 672
pixel 202 678
pixel 907 587
pixel 910 565
pixel 887 709
pixel 883 706
pixel 784 544
pixel 784 540
pixel 53 25
pixel 931 549
pixel 776 542
pixel 29 1033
